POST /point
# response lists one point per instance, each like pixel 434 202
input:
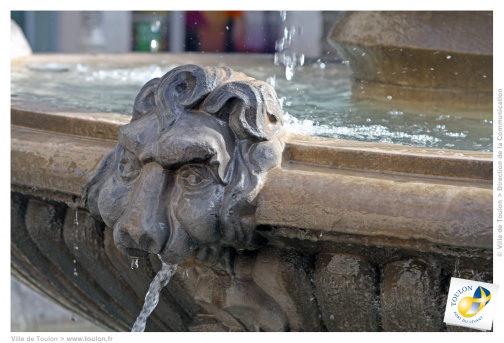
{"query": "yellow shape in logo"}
pixel 469 306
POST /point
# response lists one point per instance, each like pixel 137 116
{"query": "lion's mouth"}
pixel 178 247
pixel 132 252
pixel 137 243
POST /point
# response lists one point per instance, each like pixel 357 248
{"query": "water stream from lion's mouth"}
pixel 152 297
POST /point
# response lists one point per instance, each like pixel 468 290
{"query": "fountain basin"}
pixel 435 57
pixel 390 214
pixel 310 104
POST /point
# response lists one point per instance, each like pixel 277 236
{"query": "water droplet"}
pixel 456 271
pixel 289 73
pixel 448 57
pixel 272 81
pixel 134 263
pixel 389 97
pixel 281 100
pixel 301 59
pixel 331 317
pixel 276 59
pixel 76 247
pixel 227 27
pixel 76 217
pixel 431 68
pixel 75 272
pixel 283 15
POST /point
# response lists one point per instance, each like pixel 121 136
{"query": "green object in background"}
pixel 148 36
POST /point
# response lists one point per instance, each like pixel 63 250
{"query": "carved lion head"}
pixel 187 169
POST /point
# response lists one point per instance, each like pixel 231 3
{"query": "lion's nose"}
pixel 143 227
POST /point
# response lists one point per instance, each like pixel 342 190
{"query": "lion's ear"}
pixel 242 105
pixel 91 189
pixel 144 102
pixel 183 88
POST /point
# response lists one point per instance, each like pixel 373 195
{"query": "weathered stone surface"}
pixel 346 292
pixel 81 268
pixel 410 297
pixel 287 275
pixel 377 205
pixel 239 301
pixel 35 263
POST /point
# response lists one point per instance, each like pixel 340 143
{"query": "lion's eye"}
pixel 129 166
pixel 194 177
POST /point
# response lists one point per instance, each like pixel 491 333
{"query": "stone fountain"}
pixel 271 231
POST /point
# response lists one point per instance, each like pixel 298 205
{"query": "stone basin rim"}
pixel 105 126
pixel 74 142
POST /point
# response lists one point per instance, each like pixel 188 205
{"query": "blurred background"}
pixel 155 31
pixel 174 31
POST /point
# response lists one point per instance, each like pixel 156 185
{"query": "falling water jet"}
pixel 456 271
pixel 76 209
pixel 284 53
pixel 152 297
pixel 75 224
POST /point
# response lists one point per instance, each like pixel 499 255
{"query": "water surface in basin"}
pixel 317 102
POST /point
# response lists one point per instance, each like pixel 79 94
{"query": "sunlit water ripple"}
pixel 317 102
